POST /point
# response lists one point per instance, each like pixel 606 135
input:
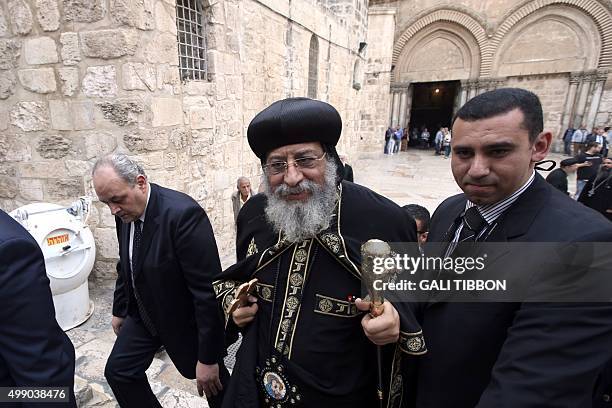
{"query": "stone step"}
pixel 92 394
pixel 82 391
pixel 101 398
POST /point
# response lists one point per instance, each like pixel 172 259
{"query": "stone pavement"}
pixel 93 342
pixel 412 177
pixel 415 176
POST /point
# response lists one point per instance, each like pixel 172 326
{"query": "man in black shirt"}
pixel 558 177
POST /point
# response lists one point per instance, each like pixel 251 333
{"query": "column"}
pixel 464 93
pixel 402 108
pixel 408 105
pixel 482 86
pixel 472 85
pixel 585 87
pixel 570 102
pixel 600 80
pixel 391 98
pixel 396 102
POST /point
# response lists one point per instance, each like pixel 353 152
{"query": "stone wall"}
pixel 260 55
pixel 82 78
pixel 377 77
pixel 492 10
pixel 552 91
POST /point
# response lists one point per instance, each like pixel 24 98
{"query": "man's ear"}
pixel 141 182
pixel 541 146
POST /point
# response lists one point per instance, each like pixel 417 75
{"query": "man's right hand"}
pixel 117 322
pixel 245 314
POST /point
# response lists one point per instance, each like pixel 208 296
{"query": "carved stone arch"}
pixel 592 8
pixel 440 52
pixel 553 39
pixel 469 23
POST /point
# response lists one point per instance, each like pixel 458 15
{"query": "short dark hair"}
pixel 418 212
pixel 591 144
pixel 504 100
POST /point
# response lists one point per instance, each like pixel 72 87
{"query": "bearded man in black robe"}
pixel 597 193
pixel 308 340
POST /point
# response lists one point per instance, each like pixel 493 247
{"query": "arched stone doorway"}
pixel 426 79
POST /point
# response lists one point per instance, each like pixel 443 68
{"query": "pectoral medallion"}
pixel 276 389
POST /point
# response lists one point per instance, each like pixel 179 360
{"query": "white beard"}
pixel 301 220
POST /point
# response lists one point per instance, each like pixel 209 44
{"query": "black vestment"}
pixel 315 326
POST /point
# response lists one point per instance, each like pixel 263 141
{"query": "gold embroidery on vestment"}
pixel 298 268
pixel 335 307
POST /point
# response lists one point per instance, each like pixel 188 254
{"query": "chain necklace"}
pixel 596 186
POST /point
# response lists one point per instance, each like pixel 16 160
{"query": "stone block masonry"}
pixel 83 78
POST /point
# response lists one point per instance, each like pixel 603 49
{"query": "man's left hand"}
pixel 207 379
pixel 383 329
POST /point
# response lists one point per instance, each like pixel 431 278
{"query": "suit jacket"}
pixel 34 351
pixel 518 354
pixel 173 275
pixel 593 137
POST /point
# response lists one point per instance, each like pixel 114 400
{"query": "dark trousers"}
pixel 132 354
pixel 567 147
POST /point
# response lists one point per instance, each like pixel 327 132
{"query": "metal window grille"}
pixel 191 41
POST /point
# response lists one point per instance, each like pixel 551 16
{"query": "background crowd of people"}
pixel 589 162
pixel 400 139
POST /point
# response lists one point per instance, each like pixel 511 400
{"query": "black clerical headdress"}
pixel 294 120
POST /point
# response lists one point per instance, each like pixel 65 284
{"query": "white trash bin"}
pixel 69 250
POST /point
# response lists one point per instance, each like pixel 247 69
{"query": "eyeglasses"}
pixel 280 167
